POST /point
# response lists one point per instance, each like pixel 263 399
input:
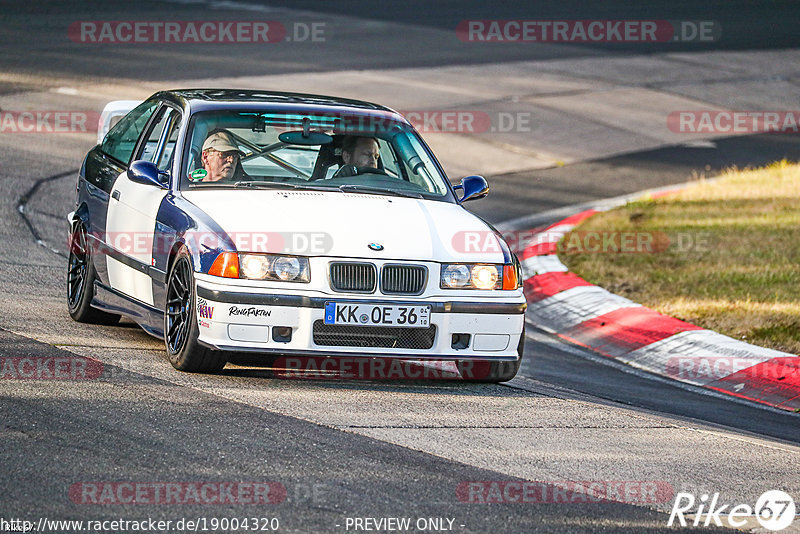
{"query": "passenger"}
pixel 358 152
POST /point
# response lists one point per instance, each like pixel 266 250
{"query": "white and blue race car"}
pixel 289 224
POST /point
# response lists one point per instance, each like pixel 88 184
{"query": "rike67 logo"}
pixel 774 510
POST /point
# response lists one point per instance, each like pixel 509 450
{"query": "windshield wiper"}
pixel 355 188
pixel 345 188
pixel 271 185
pixel 277 185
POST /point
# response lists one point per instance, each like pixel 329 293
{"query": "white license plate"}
pixel 359 314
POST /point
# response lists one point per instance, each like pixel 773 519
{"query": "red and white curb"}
pixel 566 305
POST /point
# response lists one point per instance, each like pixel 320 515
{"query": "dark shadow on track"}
pixel 556 362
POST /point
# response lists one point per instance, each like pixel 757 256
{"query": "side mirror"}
pixel 146 172
pixel 474 187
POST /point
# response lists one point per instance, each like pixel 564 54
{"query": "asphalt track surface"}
pixel 353 448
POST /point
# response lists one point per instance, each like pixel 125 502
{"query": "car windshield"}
pixel 337 152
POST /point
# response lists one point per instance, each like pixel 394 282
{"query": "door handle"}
pixel 115 194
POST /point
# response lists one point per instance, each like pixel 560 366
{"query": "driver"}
pixel 221 157
pixel 358 152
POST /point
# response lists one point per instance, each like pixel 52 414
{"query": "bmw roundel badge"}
pixel 375 246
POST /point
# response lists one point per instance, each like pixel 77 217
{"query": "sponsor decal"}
pixel 204 310
pixel 252 311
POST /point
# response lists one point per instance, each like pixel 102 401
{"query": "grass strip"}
pixel 724 255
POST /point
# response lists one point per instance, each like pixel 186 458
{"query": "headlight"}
pixel 253 266
pixel 273 267
pixel 486 276
pixel 471 276
pixel 455 276
pixel 287 268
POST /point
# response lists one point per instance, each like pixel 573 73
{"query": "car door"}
pixel 132 211
pixel 103 165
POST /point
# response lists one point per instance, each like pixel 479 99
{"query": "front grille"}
pixel 373 336
pixel 403 279
pixel 353 277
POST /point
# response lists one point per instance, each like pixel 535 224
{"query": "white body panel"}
pixel 130 226
pixel 408 229
pixel 130 281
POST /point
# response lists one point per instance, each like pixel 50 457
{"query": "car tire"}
pixel 80 282
pixel 181 331
pixel 492 372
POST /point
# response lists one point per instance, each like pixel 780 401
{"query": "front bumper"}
pixel 242 319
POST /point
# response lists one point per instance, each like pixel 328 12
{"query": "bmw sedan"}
pixel 226 221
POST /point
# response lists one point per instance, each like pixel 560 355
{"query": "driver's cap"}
pixel 221 141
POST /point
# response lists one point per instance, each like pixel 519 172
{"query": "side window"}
pixel 420 173
pixel 161 139
pixel 388 159
pixel 169 149
pixel 151 143
pixel 121 139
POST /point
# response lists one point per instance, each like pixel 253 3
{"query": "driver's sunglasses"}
pixel 233 154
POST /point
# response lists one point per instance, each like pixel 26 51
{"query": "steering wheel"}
pixel 353 170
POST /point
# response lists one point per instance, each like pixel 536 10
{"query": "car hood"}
pixel 339 224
